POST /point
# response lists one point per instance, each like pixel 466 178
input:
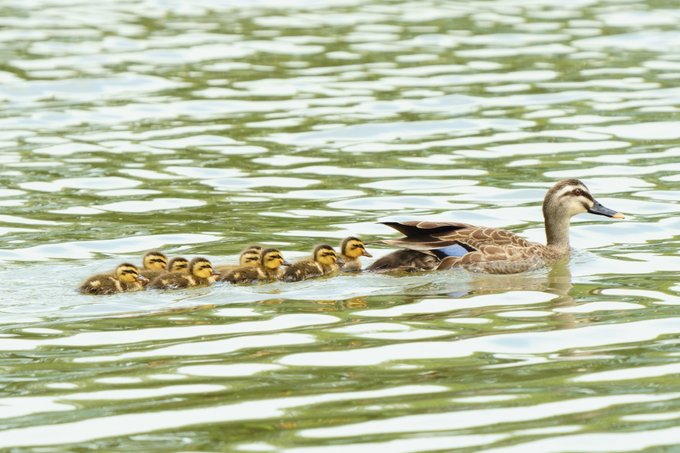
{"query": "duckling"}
pixel 324 261
pixel 249 257
pixel 200 274
pixel 125 277
pixel 154 263
pixel 351 249
pixel 269 269
pixel 179 264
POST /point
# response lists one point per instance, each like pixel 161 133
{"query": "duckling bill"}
pixel 124 278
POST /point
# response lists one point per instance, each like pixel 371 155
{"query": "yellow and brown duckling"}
pixel 324 261
pixel 269 269
pixel 200 273
pixel 154 263
pixel 351 249
pixel 125 277
pixel 179 264
pixel 249 257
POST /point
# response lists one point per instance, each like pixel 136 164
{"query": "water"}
pixel 201 127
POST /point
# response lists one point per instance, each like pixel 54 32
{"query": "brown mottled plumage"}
pixel 124 278
pixel 351 248
pixel 269 269
pixel 496 251
pixel 249 257
pixel 323 262
pixel 200 274
pixel 406 260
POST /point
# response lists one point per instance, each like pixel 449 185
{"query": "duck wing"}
pixel 436 235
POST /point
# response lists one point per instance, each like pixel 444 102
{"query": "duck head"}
pixel 564 200
pixel 128 273
pixel 202 268
pixel 353 247
pixel 179 264
pixel 250 257
pixel 272 259
pixel 324 254
pixel 155 260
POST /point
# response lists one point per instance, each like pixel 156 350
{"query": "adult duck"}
pixel 445 245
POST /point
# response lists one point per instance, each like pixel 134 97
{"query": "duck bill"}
pixel 142 279
pixel 598 209
pixel 365 253
pixel 285 263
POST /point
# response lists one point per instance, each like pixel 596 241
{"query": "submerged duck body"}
pixel 125 278
pixel 268 269
pixel 323 262
pixel 200 274
pixel 493 250
pixel 351 249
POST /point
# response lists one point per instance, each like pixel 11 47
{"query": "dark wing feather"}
pixel 433 235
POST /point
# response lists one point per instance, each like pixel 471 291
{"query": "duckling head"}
pixel 179 264
pixel 325 255
pixel 129 273
pixel 250 257
pixel 272 259
pixel 155 260
pixel 353 247
pixel 201 268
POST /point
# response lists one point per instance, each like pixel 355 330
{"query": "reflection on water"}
pixel 200 127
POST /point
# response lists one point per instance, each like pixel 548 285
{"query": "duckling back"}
pixel 323 262
pixel 243 275
pixel 302 270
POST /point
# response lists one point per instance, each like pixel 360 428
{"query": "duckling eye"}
pixel 577 192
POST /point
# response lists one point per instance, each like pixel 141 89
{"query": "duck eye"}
pixel 577 192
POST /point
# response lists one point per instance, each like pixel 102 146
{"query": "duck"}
pixel 351 248
pixel 249 257
pixel 269 269
pixel 200 273
pixel 324 261
pixel 154 263
pixel 124 278
pixel 448 245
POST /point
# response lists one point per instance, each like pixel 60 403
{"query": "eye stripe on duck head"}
pixel 323 248
pixel 178 264
pixel 350 242
pixel 272 257
pixel 198 263
pixel 154 260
